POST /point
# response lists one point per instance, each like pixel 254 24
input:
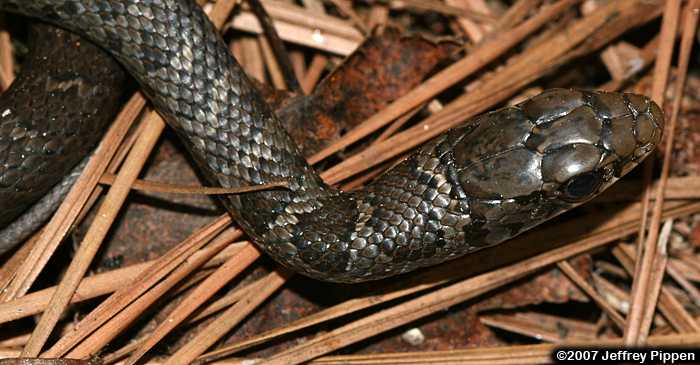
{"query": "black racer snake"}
pixel 470 188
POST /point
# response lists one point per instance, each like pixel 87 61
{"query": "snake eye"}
pixel 582 186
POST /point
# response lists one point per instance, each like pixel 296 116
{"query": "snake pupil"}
pixel 582 186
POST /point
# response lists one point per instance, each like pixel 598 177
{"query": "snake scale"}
pixel 472 187
pixel 42 138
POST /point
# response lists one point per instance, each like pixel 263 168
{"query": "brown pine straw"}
pixel 677 274
pixel 618 57
pixel 314 72
pixel 346 9
pixel 227 320
pixel 154 274
pixel 197 297
pixel 7 58
pixel 474 31
pixel 594 29
pixel 297 25
pixel 224 302
pixel 90 244
pixel 123 319
pixel 97 285
pixel 378 15
pixel 299 34
pixel 619 225
pixel 662 67
pixel 687 267
pixel 517 355
pixel 319 61
pixel 483 54
pixel 443 298
pixel 438 7
pixel 262 296
pixel 668 305
pixel 299 64
pixel 4 84
pixel 647 55
pixel 18 259
pixel 221 11
pixel 115 326
pixel 97 231
pixel 515 14
pixel 275 52
pixel 543 327
pixel 398 123
pixel 369 175
pixel 11 265
pixel 247 50
pixel 604 267
pixel 658 269
pixel 229 299
pixel 16 341
pixel 664 52
pixel 616 296
pixel 677 187
pixel 577 279
pixel 273 68
pixel 326 24
pixel 645 287
pixel 20 340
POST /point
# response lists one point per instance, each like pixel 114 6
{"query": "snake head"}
pixel 525 164
pixel 588 140
pixel 567 144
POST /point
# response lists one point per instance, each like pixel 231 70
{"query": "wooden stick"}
pixel 479 57
pixel 199 295
pixel 57 228
pixel 522 70
pixel 95 235
pixel 637 328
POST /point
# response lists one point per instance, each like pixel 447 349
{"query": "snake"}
pixel 42 139
pixel 472 187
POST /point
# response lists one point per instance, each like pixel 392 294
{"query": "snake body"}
pixel 473 187
pixel 42 138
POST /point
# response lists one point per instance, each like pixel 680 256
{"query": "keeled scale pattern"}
pixel 414 216
pixel 51 118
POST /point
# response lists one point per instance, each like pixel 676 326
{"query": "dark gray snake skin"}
pixel 42 138
pixel 473 187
